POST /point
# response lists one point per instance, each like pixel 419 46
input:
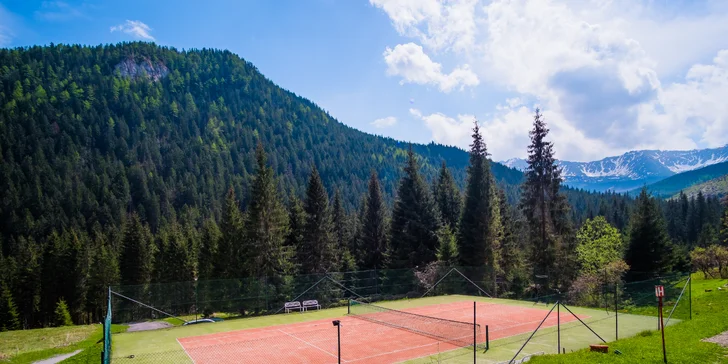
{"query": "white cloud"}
pixel 135 28
pixel 607 73
pixel 410 62
pixel 384 122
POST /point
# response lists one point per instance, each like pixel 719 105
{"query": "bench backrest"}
pixel 310 303
pixel 293 304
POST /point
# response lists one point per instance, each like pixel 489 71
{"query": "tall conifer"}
pixel 318 251
pixel 373 240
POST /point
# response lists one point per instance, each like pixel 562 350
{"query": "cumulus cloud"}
pixel 606 75
pixel 410 62
pixel 135 28
pixel 384 122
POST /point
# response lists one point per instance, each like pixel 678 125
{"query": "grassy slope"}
pixel 672 185
pixel 25 346
pixel 684 345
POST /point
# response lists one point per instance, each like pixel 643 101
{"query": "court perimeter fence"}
pixel 250 297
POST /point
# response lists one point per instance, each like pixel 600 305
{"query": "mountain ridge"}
pixel 632 169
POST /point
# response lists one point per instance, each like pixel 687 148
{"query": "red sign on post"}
pixel 659 291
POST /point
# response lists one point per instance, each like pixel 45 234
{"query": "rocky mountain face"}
pixel 632 169
pixel 144 68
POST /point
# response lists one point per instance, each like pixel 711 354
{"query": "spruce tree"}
pixel 266 226
pixel 447 250
pixel 318 251
pixel 511 263
pixel 448 198
pixel 546 211
pixel 342 234
pixel 137 254
pixel 61 315
pixel 9 317
pixel 480 222
pixel 228 263
pixel 373 243
pixel 650 251
pixel 209 238
pixel 104 272
pixel 724 222
pixel 415 221
pixel 297 223
pixel 177 263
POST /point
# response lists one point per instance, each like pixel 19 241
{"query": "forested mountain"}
pixel 714 187
pixel 672 185
pixel 133 163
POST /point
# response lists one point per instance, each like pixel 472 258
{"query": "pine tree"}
pixel 266 225
pixel 210 236
pixel 27 284
pixel 62 316
pixel 447 250
pixel 9 317
pixel 480 223
pixel 342 235
pixel 373 244
pixel 415 222
pixel 137 255
pixel 650 250
pixel 511 263
pixel 318 251
pixel 176 253
pixel 229 263
pixel 104 272
pixel 297 224
pixel 546 210
pixel 448 198
pixel 724 223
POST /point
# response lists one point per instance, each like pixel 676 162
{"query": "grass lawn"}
pixel 162 346
pixel 683 341
pixel 27 346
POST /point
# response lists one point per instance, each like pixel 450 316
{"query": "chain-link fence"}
pixel 596 311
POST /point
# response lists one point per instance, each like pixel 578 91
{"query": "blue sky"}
pixel 610 75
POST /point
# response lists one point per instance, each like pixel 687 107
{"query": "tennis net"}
pixel 455 332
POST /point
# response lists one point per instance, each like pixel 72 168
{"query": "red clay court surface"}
pixel 362 342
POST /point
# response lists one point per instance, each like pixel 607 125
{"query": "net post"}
pixel 348 307
pixel 558 327
pixel 487 339
pixel 475 333
pixel 616 311
pixel 690 294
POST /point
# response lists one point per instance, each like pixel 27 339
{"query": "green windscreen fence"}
pixel 106 354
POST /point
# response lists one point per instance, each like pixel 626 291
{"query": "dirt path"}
pixel 720 339
pixel 57 358
pixel 144 326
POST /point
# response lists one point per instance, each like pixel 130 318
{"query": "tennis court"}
pixel 370 336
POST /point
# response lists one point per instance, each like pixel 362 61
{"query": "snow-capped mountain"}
pixel 632 169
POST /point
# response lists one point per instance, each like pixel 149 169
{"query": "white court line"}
pixel 312 345
pixel 185 350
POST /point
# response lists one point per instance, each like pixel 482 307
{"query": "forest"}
pixel 134 163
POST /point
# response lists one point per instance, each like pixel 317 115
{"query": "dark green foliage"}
pixel 317 253
pixel 448 198
pixel 297 224
pixel 62 316
pixel 175 255
pixel 650 251
pixel 9 317
pixel 447 250
pixel 511 264
pixel 230 261
pixel 724 223
pixel 104 272
pixel 479 228
pixel 266 226
pixel 208 250
pixel 342 234
pixel 137 254
pixel 546 210
pixel 373 244
pixel 66 266
pixel 414 220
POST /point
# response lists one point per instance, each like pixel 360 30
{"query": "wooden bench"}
pixel 291 306
pixel 311 304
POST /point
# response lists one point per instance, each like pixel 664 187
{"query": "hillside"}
pixel 714 187
pixel 88 134
pixel 672 185
pixel 633 169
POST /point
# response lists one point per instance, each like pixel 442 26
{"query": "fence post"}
pixel 690 294
pixel 558 326
pixel 475 333
pixel 616 311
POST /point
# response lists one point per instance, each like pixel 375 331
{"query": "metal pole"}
pixel 616 311
pixel 338 336
pixel 475 333
pixel 533 333
pixel 196 300
pixel 690 294
pixel 662 327
pixel 558 326
pixel 487 339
